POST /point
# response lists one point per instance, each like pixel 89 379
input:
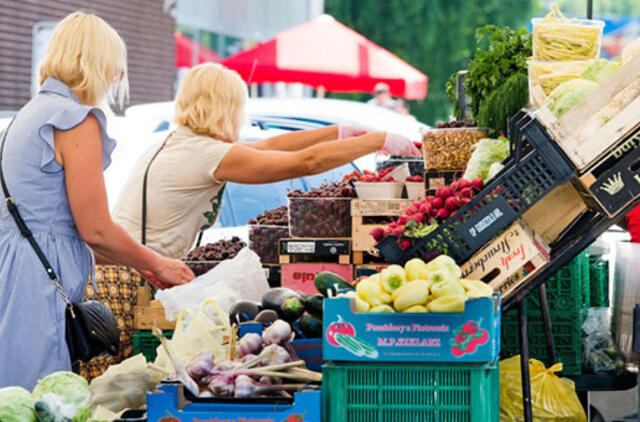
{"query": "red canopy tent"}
pixel 325 53
pixel 184 51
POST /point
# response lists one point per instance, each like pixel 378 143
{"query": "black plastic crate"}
pixel 536 166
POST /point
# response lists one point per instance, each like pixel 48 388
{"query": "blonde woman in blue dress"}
pixel 56 150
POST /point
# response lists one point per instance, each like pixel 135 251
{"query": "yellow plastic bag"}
pixel 552 398
pixel 207 329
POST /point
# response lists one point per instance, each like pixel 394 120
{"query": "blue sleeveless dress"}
pixel 32 314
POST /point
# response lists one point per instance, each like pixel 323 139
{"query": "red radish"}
pixel 451 203
pixel 438 203
pixel 412 209
pixel 425 208
pixel 398 231
pixel 466 193
pixel 430 198
pixel 462 183
pixel 464 201
pixel 433 212
pixel 443 192
pixel 405 244
pixel 454 186
pixel 477 184
pixel 377 233
pixel 418 217
pixel 442 214
pixel 403 219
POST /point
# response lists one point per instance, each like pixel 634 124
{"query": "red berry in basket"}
pixel 438 203
pixel 377 233
pixel 451 203
pixel 442 214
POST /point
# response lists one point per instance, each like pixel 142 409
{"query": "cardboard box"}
pixel 409 337
pixel 509 260
pixel 300 276
pixel 144 317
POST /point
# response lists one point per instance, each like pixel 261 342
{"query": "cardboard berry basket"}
pixel 470 336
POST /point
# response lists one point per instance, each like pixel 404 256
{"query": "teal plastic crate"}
pixel 599 281
pixel 144 342
pixel 375 392
pixel 568 295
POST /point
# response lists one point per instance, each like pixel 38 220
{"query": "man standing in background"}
pixel 382 97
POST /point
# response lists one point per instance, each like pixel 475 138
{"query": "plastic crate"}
pixel 568 294
pixel 535 167
pixel 373 392
pixel 599 282
pixel 144 342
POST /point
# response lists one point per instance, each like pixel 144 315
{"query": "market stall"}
pixel 389 295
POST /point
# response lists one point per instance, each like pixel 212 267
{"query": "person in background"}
pixel 401 107
pixel 55 151
pixel 382 96
pixel 190 169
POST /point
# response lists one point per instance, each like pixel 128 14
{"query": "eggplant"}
pixel 310 326
pixel 292 308
pixel 274 299
pixel 243 311
pixel 313 304
pixel 267 316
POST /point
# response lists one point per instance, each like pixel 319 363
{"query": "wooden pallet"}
pixel 145 316
pixel 601 121
pixel 367 214
pixel 326 250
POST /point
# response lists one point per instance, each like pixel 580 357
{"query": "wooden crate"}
pixel 601 121
pixel 509 260
pixel 555 212
pixel 336 250
pixel 145 316
pixel 364 214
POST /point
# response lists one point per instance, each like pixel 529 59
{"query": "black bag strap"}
pixel 145 181
pixel 24 230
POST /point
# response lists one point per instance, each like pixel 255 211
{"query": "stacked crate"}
pixel 568 295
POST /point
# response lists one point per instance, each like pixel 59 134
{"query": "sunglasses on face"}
pixel 381 92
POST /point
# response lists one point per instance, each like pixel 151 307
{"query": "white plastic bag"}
pixel 240 278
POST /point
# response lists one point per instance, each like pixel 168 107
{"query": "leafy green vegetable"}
pixel 504 102
pixel 452 92
pixel 16 405
pixel 66 394
pixel 486 152
pixel 501 53
pixel 600 70
pixel 568 94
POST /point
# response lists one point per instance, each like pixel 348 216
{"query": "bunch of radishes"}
pixel 416 178
pixel 422 217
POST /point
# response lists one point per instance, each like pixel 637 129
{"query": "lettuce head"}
pixel 66 394
pixel 16 405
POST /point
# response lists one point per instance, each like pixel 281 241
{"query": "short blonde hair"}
pixel 87 55
pixel 211 101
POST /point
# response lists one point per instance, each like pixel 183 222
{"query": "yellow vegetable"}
pixel 476 288
pixel 416 269
pixel 416 309
pixel 384 309
pixel 361 305
pixel 446 264
pixel 414 293
pixel 450 304
pixel 392 278
pixel 371 291
pixel 447 288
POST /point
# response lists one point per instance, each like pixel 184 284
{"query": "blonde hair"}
pixel 211 101
pixel 87 55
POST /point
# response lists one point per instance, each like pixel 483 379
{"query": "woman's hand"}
pixel 347 131
pixel 395 144
pixel 168 273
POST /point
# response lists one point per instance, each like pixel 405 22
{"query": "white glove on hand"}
pixel 395 144
pixel 347 131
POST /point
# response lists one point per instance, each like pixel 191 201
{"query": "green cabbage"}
pixel 16 405
pixel 66 394
pixel 600 70
pixel 568 94
pixel 485 153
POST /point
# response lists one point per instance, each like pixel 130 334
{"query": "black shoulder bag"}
pixel 91 329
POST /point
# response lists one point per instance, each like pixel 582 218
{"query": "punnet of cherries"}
pixel 422 217
pixel 266 230
pixel 204 258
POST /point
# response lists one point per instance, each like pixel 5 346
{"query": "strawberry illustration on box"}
pixel 468 338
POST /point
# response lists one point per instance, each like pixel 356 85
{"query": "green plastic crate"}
pixel 373 392
pixel 599 280
pixel 144 342
pixel 568 294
